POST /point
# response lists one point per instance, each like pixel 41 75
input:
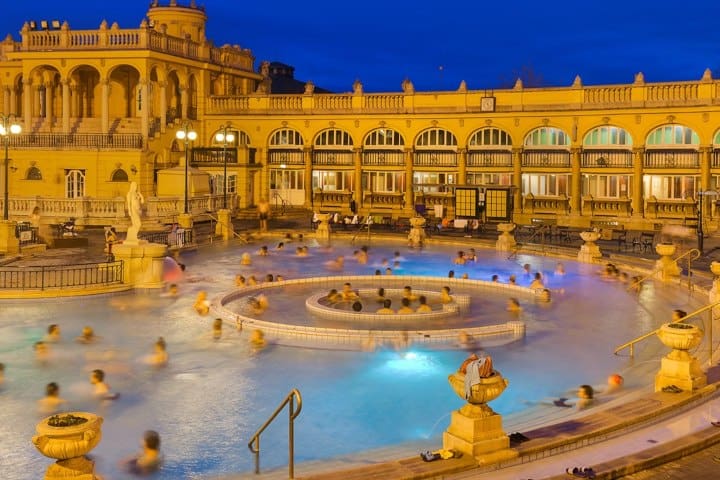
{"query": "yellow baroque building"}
pixel 101 108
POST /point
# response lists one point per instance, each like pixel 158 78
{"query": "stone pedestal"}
pixel 69 445
pixel 416 237
pixel 9 243
pixel 323 229
pixel 678 367
pixel 142 263
pixel 185 220
pixel 589 251
pixel 475 429
pixel 224 227
pixel 505 242
pixel 667 268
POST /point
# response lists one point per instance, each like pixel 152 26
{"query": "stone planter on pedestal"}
pixel 475 429
pixel 416 237
pixel 323 229
pixel 667 267
pixel 69 445
pixel 505 242
pixel 589 251
pixel 142 263
pixel 678 367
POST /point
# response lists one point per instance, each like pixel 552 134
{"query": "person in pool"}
pixel 51 402
pixel 159 357
pixel 149 459
pixel 87 336
pixel 101 389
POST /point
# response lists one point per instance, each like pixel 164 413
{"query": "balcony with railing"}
pixel 332 158
pixel 671 159
pixel 380 158
pixel 331 198
pixel 607 159
pixel 77 141
pixel 546 158
pixel 213 156
pixel 489 158
pixel 435 159
pixel 286 157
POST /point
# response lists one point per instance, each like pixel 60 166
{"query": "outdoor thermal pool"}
pixel 214 394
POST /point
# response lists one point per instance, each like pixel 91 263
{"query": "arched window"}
pixel 436 137
pixel 490 137
pixel 119 175
pixel 547 137
pixel 333 138
pixel 33 173
pixel 384 137
pixel 666 135
pixel 286 137
pixel 240 138
pixel 716 139
pixel 608 136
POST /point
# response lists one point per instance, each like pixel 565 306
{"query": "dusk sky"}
pixel 438 44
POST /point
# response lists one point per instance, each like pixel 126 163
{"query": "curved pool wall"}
pixel 213 395
pixel 419 327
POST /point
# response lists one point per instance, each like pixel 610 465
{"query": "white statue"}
pixel 134 205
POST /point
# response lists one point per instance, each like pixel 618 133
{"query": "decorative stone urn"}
pixel 678 367
pixel 69 445
pixel 475 429
pixel 416 237
pixel 666 267
pixel 323 229
pixel 589 251
pixel 506 241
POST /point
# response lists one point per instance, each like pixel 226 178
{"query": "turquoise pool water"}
pixel 214 394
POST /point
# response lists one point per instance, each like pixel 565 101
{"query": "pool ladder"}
pixel 254 443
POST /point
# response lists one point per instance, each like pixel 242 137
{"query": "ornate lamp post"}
pixel 225 136
pixel 187 135
pixel 8 126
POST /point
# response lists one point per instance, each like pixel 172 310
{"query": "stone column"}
pixel 13 101
pixel 49 103
pixel 9 244
pixel 6 100
pixel 357 176
pixel 37 106
pixel 575 181
pixel 184 102
pixel 462 166
pixel 142 263
pixel 637 194
pixel 105 106
pixel 74 100
pixel 705 160
pixel 163 106
pixel 65 106
pixel 27 104
pixel 144 110
pixel 409 190
pixel 517 177
pixel 307 154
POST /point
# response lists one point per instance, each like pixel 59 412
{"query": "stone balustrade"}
pixel 115 38
pixel 541 204
pixel 670 208
pixel 637 95
pixel 615 207
pixel 104 211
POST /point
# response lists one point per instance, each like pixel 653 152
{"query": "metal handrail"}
pixel 540 230
pixel 631 343
pixel 230 227
pixel 254 443
pixel 652 273
pixel 365 225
